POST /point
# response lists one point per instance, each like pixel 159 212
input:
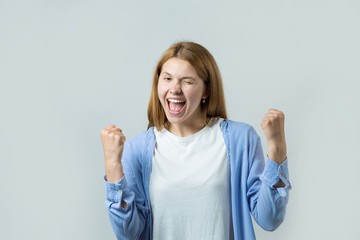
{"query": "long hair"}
pixel 204 63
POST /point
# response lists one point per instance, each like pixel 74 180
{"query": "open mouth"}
pixel 175 106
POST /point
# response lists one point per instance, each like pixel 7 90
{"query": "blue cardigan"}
pixel 252 181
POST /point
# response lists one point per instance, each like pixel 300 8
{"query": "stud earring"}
pixel 203 100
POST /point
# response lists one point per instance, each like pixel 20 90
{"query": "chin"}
pixel 174 120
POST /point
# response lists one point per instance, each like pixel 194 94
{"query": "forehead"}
pixel 176 66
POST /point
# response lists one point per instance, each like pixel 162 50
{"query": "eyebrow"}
pixel 185 77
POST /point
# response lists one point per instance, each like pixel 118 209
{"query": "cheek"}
pixel 194 96
pixel 161 93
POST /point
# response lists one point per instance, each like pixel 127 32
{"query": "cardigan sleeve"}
pixel 126 223
pixel 274 172
pixel 267 203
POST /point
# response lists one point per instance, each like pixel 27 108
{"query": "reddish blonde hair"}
pixel 204 63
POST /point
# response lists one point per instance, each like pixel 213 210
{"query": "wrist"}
pixel 277 153
pixel 114 172
pixel 277 141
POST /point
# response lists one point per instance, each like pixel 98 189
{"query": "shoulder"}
pixel 142 138
pixel 241 135
pixel 239 128
pixel 138 149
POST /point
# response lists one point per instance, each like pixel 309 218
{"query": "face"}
pixel 180 92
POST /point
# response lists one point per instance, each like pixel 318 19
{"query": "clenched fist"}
pixel 113 143
pixel 273 127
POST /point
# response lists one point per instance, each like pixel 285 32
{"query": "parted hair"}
pixel 204 63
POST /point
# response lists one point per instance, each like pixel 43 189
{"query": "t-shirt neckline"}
pixel 190 137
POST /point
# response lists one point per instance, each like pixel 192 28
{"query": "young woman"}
pixel 194 174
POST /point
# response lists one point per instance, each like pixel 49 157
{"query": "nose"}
pixel 175 88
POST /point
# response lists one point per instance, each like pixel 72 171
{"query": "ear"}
pixel 206 92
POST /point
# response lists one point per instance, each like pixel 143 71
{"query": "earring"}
pixel 203 100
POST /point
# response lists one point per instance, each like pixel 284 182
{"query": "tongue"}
pixel 176 106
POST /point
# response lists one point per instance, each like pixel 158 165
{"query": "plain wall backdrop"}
pixel 70 68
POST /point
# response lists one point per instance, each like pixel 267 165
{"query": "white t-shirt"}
pixel 190 186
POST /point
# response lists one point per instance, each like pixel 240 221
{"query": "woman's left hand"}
pixel 273 127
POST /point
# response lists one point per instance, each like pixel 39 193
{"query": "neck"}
pixel 186 129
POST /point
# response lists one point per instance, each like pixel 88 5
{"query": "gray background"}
pixel 70 68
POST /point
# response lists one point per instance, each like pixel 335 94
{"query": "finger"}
pixel 117 133
pixel 110 126
pixel 272 112
pixel 276 111
pixel 272 115
pixel 268 120
pixel 115 130
pixel 121 136
pixel 266 124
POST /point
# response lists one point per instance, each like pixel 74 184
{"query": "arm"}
pixel 124 202
pixel 273 127
pixel 267 201
pixel 269 184
pixel 277 152
pixel 127 222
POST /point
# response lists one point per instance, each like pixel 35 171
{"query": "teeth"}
pixel 175 101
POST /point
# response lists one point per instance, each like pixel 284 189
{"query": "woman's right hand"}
pixel 113 143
